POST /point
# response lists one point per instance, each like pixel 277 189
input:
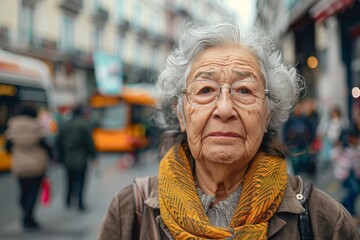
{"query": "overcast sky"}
pixel 246 10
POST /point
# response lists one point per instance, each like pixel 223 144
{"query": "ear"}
pixel 180 119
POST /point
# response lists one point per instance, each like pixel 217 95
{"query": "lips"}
pixel 224 134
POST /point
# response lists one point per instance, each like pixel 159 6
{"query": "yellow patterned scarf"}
pixel 182 211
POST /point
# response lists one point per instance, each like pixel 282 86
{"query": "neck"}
pixel 218 180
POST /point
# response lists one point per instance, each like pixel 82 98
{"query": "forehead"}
pixel 227 57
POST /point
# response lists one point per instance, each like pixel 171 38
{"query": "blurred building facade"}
pixel 322 39
pixel 65 34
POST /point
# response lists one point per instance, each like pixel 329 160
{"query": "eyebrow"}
pixel 244 75
pixel 241 74
pixel 210 73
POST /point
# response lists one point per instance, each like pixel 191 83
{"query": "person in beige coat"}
pixel 30 155
pixel 224 95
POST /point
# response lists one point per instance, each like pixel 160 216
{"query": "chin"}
pixel 222 158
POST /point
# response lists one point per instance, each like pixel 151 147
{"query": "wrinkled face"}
pixel 225 132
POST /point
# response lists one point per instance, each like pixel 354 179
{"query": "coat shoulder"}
pixel 119 219
pixel 329 219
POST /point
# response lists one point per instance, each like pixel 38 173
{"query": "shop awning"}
pixel 326 8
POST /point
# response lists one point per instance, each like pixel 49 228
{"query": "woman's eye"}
pixel 244 91
pixel 205 90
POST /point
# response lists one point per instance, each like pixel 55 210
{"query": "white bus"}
pixel 23 80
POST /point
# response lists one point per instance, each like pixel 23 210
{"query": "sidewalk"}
pixel 60 223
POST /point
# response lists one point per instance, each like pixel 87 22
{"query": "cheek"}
pixel 256 125
pixel 196 121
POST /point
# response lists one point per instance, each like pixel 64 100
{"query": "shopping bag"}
pixel 45 196
pixel 316 145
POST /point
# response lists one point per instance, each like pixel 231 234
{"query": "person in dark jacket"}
pixel 76 148
pixel 30 155
pixel 298 134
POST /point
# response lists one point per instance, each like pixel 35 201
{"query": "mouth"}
pixel 224 134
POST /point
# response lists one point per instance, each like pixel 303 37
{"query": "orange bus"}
pixel 22 80
pixel 120 121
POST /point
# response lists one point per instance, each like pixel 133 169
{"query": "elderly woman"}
pixel 224 98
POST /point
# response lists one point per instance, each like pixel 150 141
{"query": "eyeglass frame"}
pixel 184 92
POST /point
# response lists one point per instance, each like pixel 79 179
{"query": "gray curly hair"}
pixel 284 83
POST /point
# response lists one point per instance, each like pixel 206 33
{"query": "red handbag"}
pixel 45 196
pixel 316 145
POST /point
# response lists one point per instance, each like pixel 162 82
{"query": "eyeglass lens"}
pixel 244 93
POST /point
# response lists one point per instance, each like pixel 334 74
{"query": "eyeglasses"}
pixel 205 93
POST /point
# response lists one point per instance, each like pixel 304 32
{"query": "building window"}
pixel 154 22
pixel 139 54
pixel 26 21
pixel 97 4
pixel 195 8
pixel 120 9
pixel 137 18
pixel 291 3
pixel 67 33
pixel 119 44
pixel 155 57
pixel 97 39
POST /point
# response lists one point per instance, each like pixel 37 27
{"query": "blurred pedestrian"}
pixel 76 147
pixel 329 131
pixel 346 166
pixel 311 112
pixel 30 154
pixel 298 135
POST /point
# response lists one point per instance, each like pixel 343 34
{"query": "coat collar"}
pixel 153 201
pixel 289 204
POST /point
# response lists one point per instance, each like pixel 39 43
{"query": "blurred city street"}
pixel 60 223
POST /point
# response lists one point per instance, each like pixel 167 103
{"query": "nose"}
pixel 224 105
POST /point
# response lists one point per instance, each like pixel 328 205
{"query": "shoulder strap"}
pixel 304 222
pixel 141 188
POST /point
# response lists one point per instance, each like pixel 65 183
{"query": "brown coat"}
pixel 329 219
